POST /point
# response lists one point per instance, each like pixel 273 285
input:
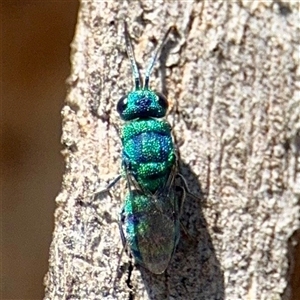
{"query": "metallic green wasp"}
pixel 149 219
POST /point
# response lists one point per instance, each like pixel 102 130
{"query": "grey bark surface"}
pixel 230 74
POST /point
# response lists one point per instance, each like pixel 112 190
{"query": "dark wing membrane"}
pixel 151 227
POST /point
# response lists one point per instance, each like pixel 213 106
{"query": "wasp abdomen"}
pixel 151 230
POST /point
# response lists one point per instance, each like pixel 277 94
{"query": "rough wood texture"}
pixel 230 74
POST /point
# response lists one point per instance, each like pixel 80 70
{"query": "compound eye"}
pixel 122 105
pixel 162 101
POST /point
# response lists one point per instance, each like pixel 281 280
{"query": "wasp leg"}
pixel 181 199
pixel 109 186
pixel 187 191
pixel 122 219
pixel 184 192
pixel 119 269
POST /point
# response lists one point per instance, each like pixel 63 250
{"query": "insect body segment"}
pixel 142 104
pixel 151 228
pixel 148 152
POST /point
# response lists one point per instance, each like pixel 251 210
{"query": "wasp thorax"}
pixel 142 104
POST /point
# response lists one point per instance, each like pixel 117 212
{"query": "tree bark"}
pixel 230 76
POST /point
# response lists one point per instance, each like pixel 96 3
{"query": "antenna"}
pixel 130 53
pixel 154 58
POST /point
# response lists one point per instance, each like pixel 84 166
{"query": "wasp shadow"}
pixel 194 271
